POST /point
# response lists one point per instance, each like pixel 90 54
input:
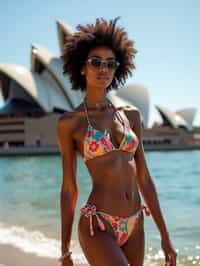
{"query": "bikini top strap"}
pixel 122 116
pixel 86 112
pixel 118 114
pixel 124 120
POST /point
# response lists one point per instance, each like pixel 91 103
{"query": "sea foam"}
pixel 36 242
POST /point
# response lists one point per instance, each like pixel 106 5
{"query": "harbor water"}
pixel 30 204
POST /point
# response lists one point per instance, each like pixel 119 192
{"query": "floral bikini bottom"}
pixel 122 226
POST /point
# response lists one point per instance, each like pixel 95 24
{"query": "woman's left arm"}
pixel 148 189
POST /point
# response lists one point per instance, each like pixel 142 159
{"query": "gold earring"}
pixel 82 72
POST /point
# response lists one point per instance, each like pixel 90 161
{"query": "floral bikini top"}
pixel 97 143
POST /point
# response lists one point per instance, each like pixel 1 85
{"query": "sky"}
pixel 166 35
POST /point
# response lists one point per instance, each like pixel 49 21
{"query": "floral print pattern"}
pixel 93 146
pixel 122 226
pixel 98 143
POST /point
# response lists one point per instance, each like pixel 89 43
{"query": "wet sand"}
pixel 11 256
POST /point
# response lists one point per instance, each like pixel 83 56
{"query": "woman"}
pixel 97 58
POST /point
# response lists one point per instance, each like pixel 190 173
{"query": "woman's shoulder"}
pixel 129 110
pixel 69 119
pixel 132 113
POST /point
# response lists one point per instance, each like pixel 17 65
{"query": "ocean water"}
pixel 30 204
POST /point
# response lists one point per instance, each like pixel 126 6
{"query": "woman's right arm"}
pixel 69 189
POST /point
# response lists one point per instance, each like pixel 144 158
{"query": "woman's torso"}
pixel 113 172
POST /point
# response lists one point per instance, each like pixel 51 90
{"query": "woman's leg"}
pixel 135 245
pixel 101 248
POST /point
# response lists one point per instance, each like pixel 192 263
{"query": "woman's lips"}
pixel 103 77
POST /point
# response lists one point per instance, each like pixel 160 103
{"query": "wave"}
pixel 36 242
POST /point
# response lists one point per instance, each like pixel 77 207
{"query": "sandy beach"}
pixel 11 256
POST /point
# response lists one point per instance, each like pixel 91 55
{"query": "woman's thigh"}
pixel 135 246
pixel 101 248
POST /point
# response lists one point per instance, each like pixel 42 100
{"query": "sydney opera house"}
pixel 34 99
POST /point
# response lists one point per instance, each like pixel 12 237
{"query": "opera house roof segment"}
pixel 117 101
pixel 63 30
pixel 42 59
pixel 172 119
pixel 136 95
pixel 44 88
pixel 188 114
pixel 22 84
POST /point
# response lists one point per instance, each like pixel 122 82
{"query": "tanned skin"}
pixel 117 179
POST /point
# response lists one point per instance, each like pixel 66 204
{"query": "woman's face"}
pixel 101 76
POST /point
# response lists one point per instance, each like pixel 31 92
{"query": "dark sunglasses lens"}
pixel 112 64
pixel 96 62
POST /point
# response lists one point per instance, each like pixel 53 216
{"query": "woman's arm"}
pixel 144 180
pixel 69 189
pixel 148 189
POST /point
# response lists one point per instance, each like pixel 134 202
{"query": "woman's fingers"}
pixel 170 253
pixel 173 259
pixel 170 259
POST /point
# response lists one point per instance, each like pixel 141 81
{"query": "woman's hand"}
pixel 67 261
pixel 169 251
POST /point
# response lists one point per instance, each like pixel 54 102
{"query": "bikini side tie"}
pixel 89 211
pixel 146 210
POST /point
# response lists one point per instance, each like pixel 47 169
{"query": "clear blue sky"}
pixel 166 35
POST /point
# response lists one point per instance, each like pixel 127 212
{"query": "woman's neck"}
pixel 96 97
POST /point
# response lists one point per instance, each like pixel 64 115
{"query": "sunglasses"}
pixel 96 62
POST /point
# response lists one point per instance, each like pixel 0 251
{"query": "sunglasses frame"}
pixel 103 62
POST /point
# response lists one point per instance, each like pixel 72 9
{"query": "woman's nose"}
pixel 103 68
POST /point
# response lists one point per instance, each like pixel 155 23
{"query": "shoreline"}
pixel 53 151
pixel 13 256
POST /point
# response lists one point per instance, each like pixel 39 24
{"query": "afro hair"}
pixel 102 33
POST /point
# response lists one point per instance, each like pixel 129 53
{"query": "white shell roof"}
pixel 55 67
pixel 174 119
pixel 39 89
pixel 63 31
pixel 188 114
pixel 118 101
pixel 136 95
pixel 50 88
